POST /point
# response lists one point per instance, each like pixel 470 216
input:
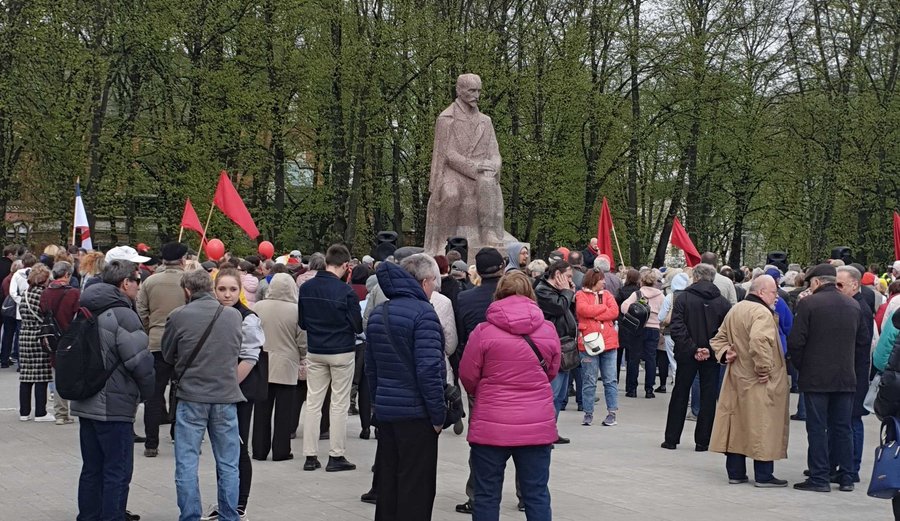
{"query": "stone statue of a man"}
pixel 466 200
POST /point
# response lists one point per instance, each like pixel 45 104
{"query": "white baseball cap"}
pixel 126 253
pixel 896 265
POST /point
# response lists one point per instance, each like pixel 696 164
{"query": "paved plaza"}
pixel 607 473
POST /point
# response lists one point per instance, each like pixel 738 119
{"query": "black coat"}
pixel 868 297
pixel 471 306
pixel 696 316
pixel 450 288
pixel 861 354
pixel 558 308
pixel 823 341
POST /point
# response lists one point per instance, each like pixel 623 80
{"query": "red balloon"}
pixel 266 249
pixel 215 249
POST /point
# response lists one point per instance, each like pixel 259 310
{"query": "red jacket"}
pixel 512 393
pixel 594 316
pixel 62 299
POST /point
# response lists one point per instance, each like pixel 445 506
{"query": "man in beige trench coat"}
pixel 752 413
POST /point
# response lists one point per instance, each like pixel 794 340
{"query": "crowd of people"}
pixel 232 349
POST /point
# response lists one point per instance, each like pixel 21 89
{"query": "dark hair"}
pixel 575 258
pixel 279 268
pixel 11 249
pixel 247 266
pixel 632 276
pixel 894 287
pixel 228 264
pixel 726 271
pixel 337 255
pixel 738 276
pixel 254 260
pixel 116 271
pixel 29 260
pixel 557 267
pixel 591 277
pixel 453 256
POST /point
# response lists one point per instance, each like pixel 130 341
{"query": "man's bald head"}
pixel 765 288
pixel 710 258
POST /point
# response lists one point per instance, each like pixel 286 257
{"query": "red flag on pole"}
pixel 189 219
pixel 229 201
pixel 896 236
pixel 604 231
pixel 681 240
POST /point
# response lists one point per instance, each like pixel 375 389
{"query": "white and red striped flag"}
pixel 81 221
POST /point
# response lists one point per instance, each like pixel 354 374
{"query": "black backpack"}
pixel 80 371
pixel 637 315
pixel 49 332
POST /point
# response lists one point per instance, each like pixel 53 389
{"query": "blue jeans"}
pixel 609 375
pixel 736 465
pixel 192 419
pixel 532 470
pixel 560 386
pixel 590 368
pixel 645 348
pixel 828 420
pixel 107 454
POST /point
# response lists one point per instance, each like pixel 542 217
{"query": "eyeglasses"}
pixel 136 280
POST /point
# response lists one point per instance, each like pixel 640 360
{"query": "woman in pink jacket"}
pixel 597 311
pixel 513 413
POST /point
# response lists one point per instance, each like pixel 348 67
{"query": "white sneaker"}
pixel 24 418
pixel 213 514
pixel 46 418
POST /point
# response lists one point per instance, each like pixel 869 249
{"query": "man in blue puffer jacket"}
pixel 406 372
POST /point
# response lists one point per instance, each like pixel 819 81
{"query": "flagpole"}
pixel 180 233
pixel 616 237
pixel 77 185
pixel 203 238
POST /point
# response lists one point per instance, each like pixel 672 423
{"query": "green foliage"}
pixel 763 124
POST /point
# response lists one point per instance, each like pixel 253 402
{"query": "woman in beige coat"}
pixel 286 345
pixel 752 413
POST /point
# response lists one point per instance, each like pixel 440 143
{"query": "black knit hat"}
pixel 489 262
pixel 172 251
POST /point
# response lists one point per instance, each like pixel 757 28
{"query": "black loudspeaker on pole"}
pixel 459 244
pixel 385 245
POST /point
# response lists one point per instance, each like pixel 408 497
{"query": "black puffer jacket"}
pixel 698 312
pixel 558 308
pixel 122 337
pixel 861 355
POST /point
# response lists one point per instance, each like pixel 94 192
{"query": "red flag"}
pixel 896 236
pixel 229 201
pixel 189 219
pixel 680 239
pixel 604 231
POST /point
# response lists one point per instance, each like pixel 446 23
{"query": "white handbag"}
pixel 594 343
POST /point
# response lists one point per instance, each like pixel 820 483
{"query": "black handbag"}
pixel 255 386
pixel 173 385
pixel 452 395
pixel 569 357
pixel 8 309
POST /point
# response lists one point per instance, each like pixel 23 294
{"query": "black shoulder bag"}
pixel 537 352
pixel 452 395
pixel 173 385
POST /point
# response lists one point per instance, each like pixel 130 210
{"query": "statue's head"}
pixel 468 89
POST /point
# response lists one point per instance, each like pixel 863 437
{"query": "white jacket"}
pixel 18 285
